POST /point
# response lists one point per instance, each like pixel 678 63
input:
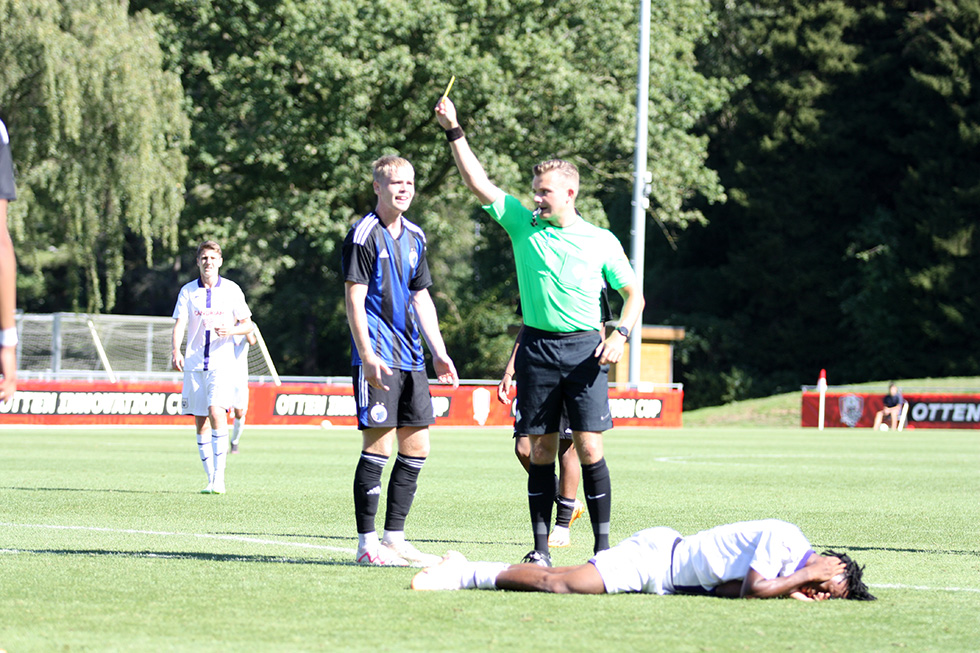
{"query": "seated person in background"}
pixel 893 407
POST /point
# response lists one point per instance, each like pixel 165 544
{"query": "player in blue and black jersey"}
pixel 388 308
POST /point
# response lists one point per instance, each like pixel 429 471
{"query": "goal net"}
pixel 131 347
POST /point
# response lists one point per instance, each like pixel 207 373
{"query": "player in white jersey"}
pixel 752 559
pixel 212 309
pixel 239 402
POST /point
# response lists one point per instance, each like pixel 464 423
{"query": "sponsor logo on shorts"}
pixel 378 413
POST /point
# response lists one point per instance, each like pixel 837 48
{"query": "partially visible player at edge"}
pixel 563 359
pixel 765 558
pixel 213 310
pixel 386 275
pixel 8 275
pixel 239 402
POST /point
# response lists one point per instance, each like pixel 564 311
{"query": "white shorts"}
pixel 205 389
pixel 640 563
pixel 239 397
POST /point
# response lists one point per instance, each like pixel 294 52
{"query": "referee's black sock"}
pixel 598 498
pixel 540 498
pixel 564 507
pixel 367 490
pixel 401 490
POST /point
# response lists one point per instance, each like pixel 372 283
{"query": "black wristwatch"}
pixel 623 331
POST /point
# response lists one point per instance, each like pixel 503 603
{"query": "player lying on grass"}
pixel 752 559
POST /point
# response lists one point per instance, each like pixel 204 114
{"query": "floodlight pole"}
pixel 641 182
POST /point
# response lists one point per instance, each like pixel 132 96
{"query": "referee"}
pixel 8 275
pixel 563 359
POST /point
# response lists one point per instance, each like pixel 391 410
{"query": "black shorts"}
pixel 406 403
pixel 557 370
pixel 564 431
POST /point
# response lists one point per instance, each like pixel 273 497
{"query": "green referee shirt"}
pixel 560 271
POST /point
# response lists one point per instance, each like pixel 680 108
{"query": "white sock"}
pixel 367 540
pixel 204 446
pixel 484 575
pixel 219 445
pixel 394 537
pixel 236 429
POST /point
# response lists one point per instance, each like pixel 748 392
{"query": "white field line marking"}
pixel 923 587
pixel 206 536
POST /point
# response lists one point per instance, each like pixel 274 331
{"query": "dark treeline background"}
pixel 816 169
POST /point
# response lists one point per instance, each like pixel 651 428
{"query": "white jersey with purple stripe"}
pixel 204 309
pixel 710 558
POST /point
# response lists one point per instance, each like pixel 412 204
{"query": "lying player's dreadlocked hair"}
pixel 856 589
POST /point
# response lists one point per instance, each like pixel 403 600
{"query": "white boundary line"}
pixel 206 536
pixel 323 547
pixel 889 586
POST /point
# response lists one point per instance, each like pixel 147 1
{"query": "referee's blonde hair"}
pixel 566 169
pixel 386 166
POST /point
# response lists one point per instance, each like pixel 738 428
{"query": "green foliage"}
pixel 97 130
pixel 293 100
pixel 850 162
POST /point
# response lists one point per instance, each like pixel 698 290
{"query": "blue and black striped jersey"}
pixel 392 269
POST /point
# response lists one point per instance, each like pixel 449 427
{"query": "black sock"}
pixel 540 498
pixel 367 489
pixel 564 507
pixel 598 497
pixel 401 490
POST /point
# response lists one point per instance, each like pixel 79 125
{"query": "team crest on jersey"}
pixel 851 409
pixel 378 413
pixel 413 257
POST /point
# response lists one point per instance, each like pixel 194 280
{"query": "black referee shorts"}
pixel 556 370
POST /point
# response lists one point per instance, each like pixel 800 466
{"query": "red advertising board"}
pixel 926 410
pixel 291 404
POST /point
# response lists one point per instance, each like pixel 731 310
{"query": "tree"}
pixel 98 128
pixel 293 100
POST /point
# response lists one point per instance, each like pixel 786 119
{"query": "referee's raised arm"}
pixel 474 176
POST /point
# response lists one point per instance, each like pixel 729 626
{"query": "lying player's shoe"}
pixel 559 538
pixel 538 558
pixel 409 553
pixel 446 575
pixel 577 512
pixel 380 556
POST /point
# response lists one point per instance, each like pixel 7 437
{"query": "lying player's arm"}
pixel 425 311
pixel 755 586
pixel 474 176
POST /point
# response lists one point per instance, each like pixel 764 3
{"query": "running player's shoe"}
pixel 218 487
pixel 410 554
pixel 538 558
pixel 577 512
pixel 559 538
pixel 209 489
pixel 446 575
pixel 234 448
pixel 380 556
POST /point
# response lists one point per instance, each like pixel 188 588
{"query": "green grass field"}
pixel 105 544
